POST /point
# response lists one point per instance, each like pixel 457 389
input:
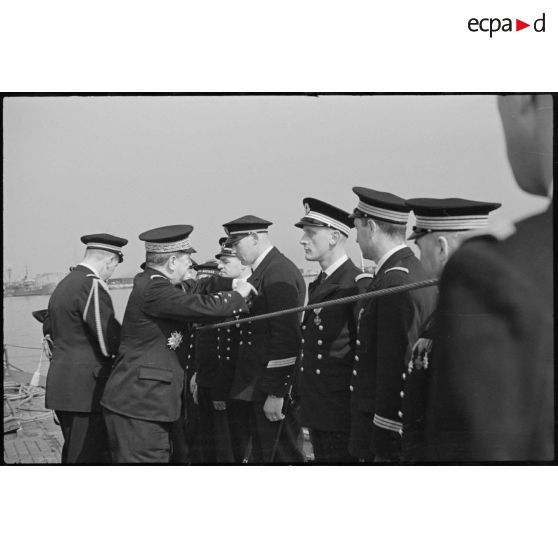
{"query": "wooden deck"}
pixel 30 433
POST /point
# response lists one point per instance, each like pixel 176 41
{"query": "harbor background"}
pixel 22 330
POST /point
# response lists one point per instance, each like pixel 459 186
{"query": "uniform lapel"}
pixel 256 277
pixel 325 289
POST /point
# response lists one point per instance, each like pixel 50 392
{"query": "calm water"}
pixel 20 328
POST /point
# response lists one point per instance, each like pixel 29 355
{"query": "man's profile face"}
pixel 316 242
pixel 527 123
pixel 229 266
pixel 246 250
pixel 182 264
pixel 109 268
pixel 429 255
pixel 364 237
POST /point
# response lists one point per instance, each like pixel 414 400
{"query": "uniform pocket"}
pixel 155 374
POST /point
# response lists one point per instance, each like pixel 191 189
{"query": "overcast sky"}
pixel 122 165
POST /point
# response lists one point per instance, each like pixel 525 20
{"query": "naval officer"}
pixel 491 394
pixel 268 348
pixel 84 335
pixel 228 342
pixel 441 226
pixel 388 326
pixel 328 334
pixel 143 397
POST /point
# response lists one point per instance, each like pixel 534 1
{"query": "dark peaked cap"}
pixel 450 214
pixel 380 205
pixel 226 248
pixel 210 267
pixel 322 214
pixel 107 242
pixel 243 226
pixel 172 238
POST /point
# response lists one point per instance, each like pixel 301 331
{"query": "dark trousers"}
pixel 361 435
pixel 223 435
pixel 138 441
pixel 85 438
pixel 274 442
pixel 331 447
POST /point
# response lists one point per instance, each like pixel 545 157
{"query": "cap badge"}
pixel 174 340
pixel 307 208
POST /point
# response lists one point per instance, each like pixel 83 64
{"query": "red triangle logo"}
pixel 519 25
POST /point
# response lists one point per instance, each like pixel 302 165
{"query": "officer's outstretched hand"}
pixel 47 346
pixel 244 288
pixel 273 408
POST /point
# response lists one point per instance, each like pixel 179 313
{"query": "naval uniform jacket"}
pixel 86 334
pixel 326 358
pixel 415 388
pixel 388 327
pixel 268 348
pixel 491 394
pixel 148 377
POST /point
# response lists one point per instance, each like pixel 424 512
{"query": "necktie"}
pixel 320 279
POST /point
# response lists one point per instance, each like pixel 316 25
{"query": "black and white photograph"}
pixel 256 279
pixel 278 278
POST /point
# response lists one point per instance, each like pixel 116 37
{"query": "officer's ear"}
pixel 334 238
pixel 442 247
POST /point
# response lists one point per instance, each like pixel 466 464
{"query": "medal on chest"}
pixel 317 319
pixel 173 342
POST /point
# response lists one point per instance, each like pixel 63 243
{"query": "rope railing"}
pixel 324 304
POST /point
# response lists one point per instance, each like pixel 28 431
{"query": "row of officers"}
pixel 463 372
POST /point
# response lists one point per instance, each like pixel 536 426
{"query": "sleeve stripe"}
pixel 98 320
pixel 387 424
pixel 281 362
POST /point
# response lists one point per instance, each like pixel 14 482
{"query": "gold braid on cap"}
pixel 166 247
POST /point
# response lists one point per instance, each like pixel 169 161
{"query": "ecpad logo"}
pixel 492 25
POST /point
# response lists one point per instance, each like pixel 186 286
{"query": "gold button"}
pixel 403 375
pixel 400 414
pixel 319 356
pixel 321 327
pixel 358 343
pixel 401 394
pixel 355 372
pixel 351 388
pixel 357 358
pixel 318 371
pixel 320 342
pixel 303 327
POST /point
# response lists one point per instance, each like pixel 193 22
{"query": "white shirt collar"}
pixel 387 255
pixel 89 267
pixel 260 258
pixel 336 265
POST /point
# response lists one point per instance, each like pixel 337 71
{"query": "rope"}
pixel 326 304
